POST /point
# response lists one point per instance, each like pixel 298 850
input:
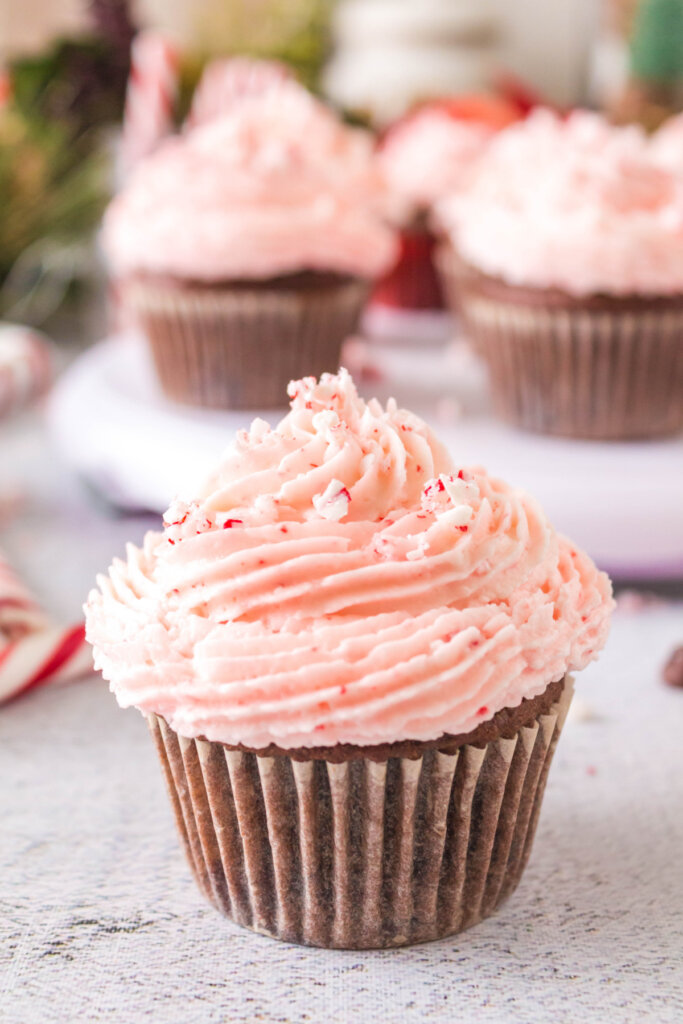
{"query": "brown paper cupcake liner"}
pixel 601 367
pixel 449 268
pixel 238 346
pixel 362 853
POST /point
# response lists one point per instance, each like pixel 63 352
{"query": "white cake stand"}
pixel 622 502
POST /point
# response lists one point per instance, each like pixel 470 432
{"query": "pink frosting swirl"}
pixel 430 155
pixel 339 579
pixel 275 186
pixel 576 204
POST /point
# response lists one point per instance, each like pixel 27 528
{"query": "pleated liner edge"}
pixel 362 854
pixel 238 348
pixel 581 371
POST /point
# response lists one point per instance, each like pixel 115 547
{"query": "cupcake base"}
pixel 367 847
pixel 602 367
pixel 237 345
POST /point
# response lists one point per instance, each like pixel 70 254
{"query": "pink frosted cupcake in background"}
pixel 247 246
pixel 428 155
pixel 566 261
pixel 353 654
pixel 666 145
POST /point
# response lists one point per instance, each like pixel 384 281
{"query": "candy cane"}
pixel 47 656
pixel 226 82
pixel 25 367
pixel 33 651
pixel 150 96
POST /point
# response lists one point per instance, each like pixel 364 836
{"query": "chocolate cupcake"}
pixel 353 656
pixel 246 247
pixel 565 259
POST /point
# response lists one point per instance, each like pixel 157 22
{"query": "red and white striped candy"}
pixel 150 96
pixel 33 651
pixel 228 81
pixel 50 655
pixel 25 367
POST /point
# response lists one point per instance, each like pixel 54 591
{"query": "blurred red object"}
pixel 522 96
pixel 493 111
pixel 414 282
pixel 5 88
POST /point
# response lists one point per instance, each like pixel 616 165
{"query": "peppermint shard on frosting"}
pixel 339 579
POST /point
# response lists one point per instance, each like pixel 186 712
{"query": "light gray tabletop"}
pixel 101 921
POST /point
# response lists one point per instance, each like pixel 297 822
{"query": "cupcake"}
pixel 565 257
pixel 354 657
pixel 246 247
pixel 428 155
pixel 666 145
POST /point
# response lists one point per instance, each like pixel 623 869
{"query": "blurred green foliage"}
pixel 54 171
pixel 52 185
pixel 656 48
pixel 296 32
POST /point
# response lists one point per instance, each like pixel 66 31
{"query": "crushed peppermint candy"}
pixel 186 519
pixel 178 511
pixel 226 521
pixel 433 488
pixel 333 502
pixel 451 497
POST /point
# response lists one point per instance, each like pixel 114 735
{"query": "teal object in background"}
pixel 656 47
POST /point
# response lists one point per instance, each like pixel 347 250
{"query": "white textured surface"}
pixel 101 921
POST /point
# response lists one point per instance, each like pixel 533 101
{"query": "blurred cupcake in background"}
pixel 245 248
pixel 666 145
pixel 427 155
pixel 565 257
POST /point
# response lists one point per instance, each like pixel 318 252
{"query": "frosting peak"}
pixel 333 457
pixel 340 579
